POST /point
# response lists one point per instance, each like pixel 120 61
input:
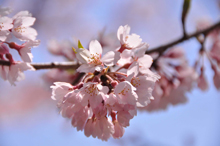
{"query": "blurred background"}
pixel 29 117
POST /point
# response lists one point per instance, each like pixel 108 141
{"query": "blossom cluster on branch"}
pixel 16 27
pixel 128 67
pixel 114 85
pixel 101 88
pixel 212 54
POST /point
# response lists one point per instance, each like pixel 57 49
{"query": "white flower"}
pixel 129 41
pixel 125 93
pixel 22 30
pixel 91 59
pixel 5 25
pixel 15 71
pixel 25 51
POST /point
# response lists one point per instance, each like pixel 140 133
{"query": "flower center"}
pixel 20 29
pixel 135 82
pixel 91 90
pixel 1 26
pixel 124 91
pixel 95 59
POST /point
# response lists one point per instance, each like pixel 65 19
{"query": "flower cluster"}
pixel 19 27
pixel 114 85
pixel 177 78
pixel 212 54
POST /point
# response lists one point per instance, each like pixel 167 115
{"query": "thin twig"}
pixel 163 48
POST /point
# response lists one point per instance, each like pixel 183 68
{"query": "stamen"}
pixel 20 29
pixel 1 26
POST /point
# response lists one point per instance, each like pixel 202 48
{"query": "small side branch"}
pixel 163 48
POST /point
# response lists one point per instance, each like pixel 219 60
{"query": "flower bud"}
pixel 114 84
pixel 15 46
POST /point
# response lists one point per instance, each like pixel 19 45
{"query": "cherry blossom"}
pixel 202 82
pixel 164 97
pixel 128 41
pixel 125 93
pixel 5 26
pixel 24 50
pixel 92 94
pixel 216 77
pixel 22 30
pixel 60 90
pixel 119 130
pixel 177 78
pixel 91 59
pixel 104 93
pixel 101 128
pixel 215 51
pixel 115 77
pixel 15 71
pixel 133 50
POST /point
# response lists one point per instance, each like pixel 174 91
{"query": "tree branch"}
pixel 160 49
pixel 62 65
pixel 163 48
pixel 37 66
pixel 6 63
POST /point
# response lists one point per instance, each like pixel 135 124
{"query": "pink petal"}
pixel 133 69
pixel 27 21
pixel 202 82
pixel 216 77
pixel 119 130
pixel 145 61
pixel 120 32
pixel 140 52
pixel 27 33
pixel 89 128
pixel 26 54
pixel 108 58
pixel 5 23
pixel 4 35
pixel 95 48
pixel 126 54
pixel 60 89
pixel 133 41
